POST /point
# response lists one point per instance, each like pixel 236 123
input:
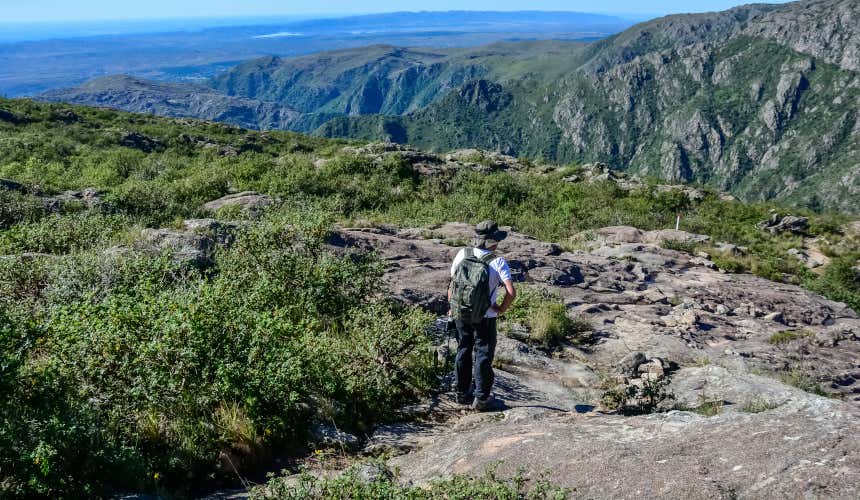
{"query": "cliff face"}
pixel 759 100
pixel 370 80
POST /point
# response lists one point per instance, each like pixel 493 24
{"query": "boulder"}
pixel 629 365
pixel 184 247
pixel 326 435
pixel 619 234
pixel 730 248
pixel 659 236
pixel 778 224
pixel 90 198
pixel 373 472
pixel 223 232
pixel 141 142
pixel 10 185
pixel 247 201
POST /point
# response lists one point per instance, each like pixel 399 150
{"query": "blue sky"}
pixel 89 10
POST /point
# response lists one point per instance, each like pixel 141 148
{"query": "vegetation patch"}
pixel 787 336
pixel 630 399
pixel 123 370
pixel 541 318
pixel 801 379
pixel 354 484
pixel 758 405
pixel 126 371
pixel 707 407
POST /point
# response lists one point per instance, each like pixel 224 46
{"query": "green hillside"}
pixel 125 369
pixel 760 100
pixel 747 117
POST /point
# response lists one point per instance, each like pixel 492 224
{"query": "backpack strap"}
pixel 486 259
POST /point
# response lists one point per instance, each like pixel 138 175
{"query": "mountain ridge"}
pixel 728 99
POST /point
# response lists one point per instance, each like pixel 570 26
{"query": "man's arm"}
pixel 510 296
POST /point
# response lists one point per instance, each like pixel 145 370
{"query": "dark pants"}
pixel 478 341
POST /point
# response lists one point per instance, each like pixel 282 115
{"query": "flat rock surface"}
pixel 714 333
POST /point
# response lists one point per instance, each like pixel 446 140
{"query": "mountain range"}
pixel 760 100
pixel 36 58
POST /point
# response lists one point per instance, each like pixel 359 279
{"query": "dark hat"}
pixel 487 234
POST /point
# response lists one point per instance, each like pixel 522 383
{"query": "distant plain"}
pixel 36 58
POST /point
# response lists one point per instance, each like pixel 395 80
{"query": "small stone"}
pixel 730 248
pixel 777 317
pixel 373 472
pixel 630 363
pixel 653 367
pixel 328 435
pixel 247 201
pixel 689 318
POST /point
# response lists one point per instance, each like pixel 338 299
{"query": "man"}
pixel 474 379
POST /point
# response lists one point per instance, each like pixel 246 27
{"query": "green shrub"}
pixel 802 380
pixel 630 399
pixel 839 281
pixel 758 405
pixel 707 407
pixel 786 336
pixel 59 234
pixel 546 319
pixel 17 207
pixel 147 370
pixel 680 246
pixel 350 485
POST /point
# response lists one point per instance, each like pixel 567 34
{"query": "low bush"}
pixel 803 380
pixel 60 234
pixel 758 405
pixel 786 336
pixel 631 399
pixel 157 371
pixel 351 485
pixel 707 407
pixel 545 318
pixel 16 208
pixel 840 280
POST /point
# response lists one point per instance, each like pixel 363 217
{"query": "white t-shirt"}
pixel 499 273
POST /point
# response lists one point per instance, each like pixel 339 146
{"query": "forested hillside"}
pixel 758 100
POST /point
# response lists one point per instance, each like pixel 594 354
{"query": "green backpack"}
pixel 470 288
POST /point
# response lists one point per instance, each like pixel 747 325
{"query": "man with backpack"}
pixel 476 276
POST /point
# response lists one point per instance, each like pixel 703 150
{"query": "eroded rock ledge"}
pixel 712 330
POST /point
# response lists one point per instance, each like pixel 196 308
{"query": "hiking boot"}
pixel 464 399
pixel 482 404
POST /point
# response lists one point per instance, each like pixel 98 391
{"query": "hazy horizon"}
pixel 94 11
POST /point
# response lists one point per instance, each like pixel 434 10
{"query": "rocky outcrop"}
pixel 142 142
pixel 785 224
pixel 88 198
pixel 193 245
pixel 249 202
pixel 663 303
pixel 719 351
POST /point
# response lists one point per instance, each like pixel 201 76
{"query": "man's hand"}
pixel 510 295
